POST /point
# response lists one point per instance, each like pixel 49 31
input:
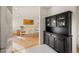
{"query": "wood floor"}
pixel 28 40
pixel 77 50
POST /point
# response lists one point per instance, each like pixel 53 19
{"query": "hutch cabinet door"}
pixel 59 44
pixel 53 21
pixel 48 22
pixel 51 41
pixel 61 20
pixel 46 39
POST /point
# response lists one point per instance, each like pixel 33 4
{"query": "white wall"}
pixel 43 14
pixel 58 9
pixel 78 27
pixel 5 26
pixel 24 12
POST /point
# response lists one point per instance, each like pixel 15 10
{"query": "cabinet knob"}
pixel 52 35
pixel 55 36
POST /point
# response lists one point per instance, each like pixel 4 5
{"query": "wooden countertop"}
pixel 27 40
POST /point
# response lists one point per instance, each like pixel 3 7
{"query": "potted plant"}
pixel 22 29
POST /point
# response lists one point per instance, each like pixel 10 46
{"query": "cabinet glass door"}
pixel 48 22
pixel 53 21
pixel 61 20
